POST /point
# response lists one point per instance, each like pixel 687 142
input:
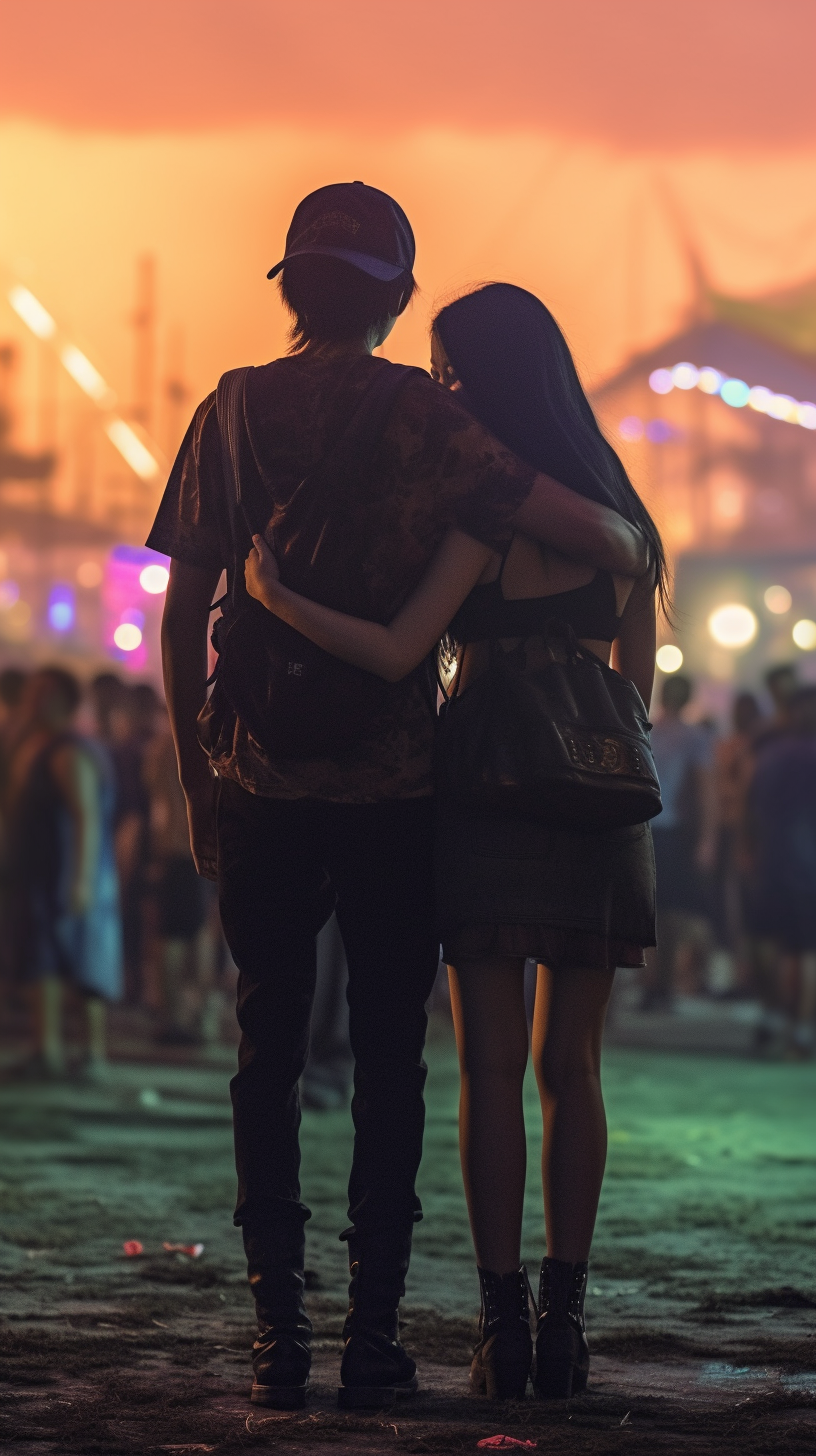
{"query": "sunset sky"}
pixel 568 147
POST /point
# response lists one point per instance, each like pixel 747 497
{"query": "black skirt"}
pixel 570 899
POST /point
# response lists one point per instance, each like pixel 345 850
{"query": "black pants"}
pixel 280 867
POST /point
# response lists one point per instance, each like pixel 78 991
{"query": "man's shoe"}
pixel 375 1370
pixel 281 1355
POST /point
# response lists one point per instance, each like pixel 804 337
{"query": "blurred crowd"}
pixel 100 899
pixel 735 850
pixel 100 902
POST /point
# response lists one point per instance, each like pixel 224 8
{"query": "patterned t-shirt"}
pixel 435 468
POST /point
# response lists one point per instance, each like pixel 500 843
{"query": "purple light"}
pixel 659 432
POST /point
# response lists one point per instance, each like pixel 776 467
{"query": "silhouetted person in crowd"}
pixel 105 692
pixel 782 683
pixel 783 883
pixel 67 932
pixel 685 838
pixel 132 725
pixel 734 764
pixel 181 900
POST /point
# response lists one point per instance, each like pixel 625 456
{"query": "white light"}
pixel 709 381
pixel 759 399
pixel 31 311
pixel 660 380
pixel 736 393
pixel 89 573
pixel 778 600
pixel 733 625
pixel 685 376
pixel 132 450
pixel 86 376
pixel 669 658
pixel 127 637
pixel 804 634
pixel 782 407
pixel 153 579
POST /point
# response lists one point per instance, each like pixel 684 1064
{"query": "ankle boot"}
pixel 562 1353
pixel 504 1354
pixel 281 1355
pixel 375 1370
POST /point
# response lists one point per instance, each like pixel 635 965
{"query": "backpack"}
pixel 296 700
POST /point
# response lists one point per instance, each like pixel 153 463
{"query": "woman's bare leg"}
pixel 568 1025
pixel 487 999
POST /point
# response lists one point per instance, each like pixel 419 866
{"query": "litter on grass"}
pixel 194 1251
pixel 131 1248
pixel 502 1442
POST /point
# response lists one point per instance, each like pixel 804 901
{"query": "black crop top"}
pixel 590 610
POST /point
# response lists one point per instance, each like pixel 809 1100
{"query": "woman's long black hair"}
pixel 519 380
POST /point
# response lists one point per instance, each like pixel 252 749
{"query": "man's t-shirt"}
pixel 435 468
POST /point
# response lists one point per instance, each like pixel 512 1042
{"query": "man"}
pixel 684 837
pixel 295 835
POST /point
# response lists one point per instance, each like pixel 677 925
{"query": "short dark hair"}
pixel 676 691
pixel 66 686
pixel 331 301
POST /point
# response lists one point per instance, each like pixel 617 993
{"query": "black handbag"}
pixel 566 744
pixel 296 700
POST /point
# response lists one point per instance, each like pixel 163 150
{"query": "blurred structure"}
pixel 79 483
pixel 718 428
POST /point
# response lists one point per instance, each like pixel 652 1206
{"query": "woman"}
pixel 508 890
pixel 64 891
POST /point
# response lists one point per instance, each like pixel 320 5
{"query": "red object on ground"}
pixel 502 1442
pixel 193 1250
pixel 132 1248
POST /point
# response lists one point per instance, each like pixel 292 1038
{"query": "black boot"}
pixel 504 1354
pixel 375 1370
pixel 281 1354
pixel 562 1353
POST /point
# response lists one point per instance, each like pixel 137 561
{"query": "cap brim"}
pixel 375 267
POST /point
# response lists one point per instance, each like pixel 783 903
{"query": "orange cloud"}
pixel 641 74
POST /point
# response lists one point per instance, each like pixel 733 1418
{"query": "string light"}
pixel 735 392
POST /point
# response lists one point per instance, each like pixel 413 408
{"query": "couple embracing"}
pixel 365 513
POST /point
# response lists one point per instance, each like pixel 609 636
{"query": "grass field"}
pixel 702 1303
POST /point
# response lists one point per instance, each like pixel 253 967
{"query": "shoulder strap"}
pixel 229 404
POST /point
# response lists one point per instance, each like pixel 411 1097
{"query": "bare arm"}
pixel 390 652
pixel 581 529
pixel 634 651
pixel 78 783
pixel 184 659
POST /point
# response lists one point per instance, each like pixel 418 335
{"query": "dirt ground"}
pixel 702 1302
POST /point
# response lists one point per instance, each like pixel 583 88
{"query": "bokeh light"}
pixel 804 634
pixel 669 658
pixel 710 381
pixel 89 574
pixel 778 600
pixel 127 637
pixel 733 625
pixel 153 579
pixel 9 594
pixel 660 380
pixel 631 428
pixel 61 609
pixel 735 392
pixel 685 376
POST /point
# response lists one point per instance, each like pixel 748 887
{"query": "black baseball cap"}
pixel 353 222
